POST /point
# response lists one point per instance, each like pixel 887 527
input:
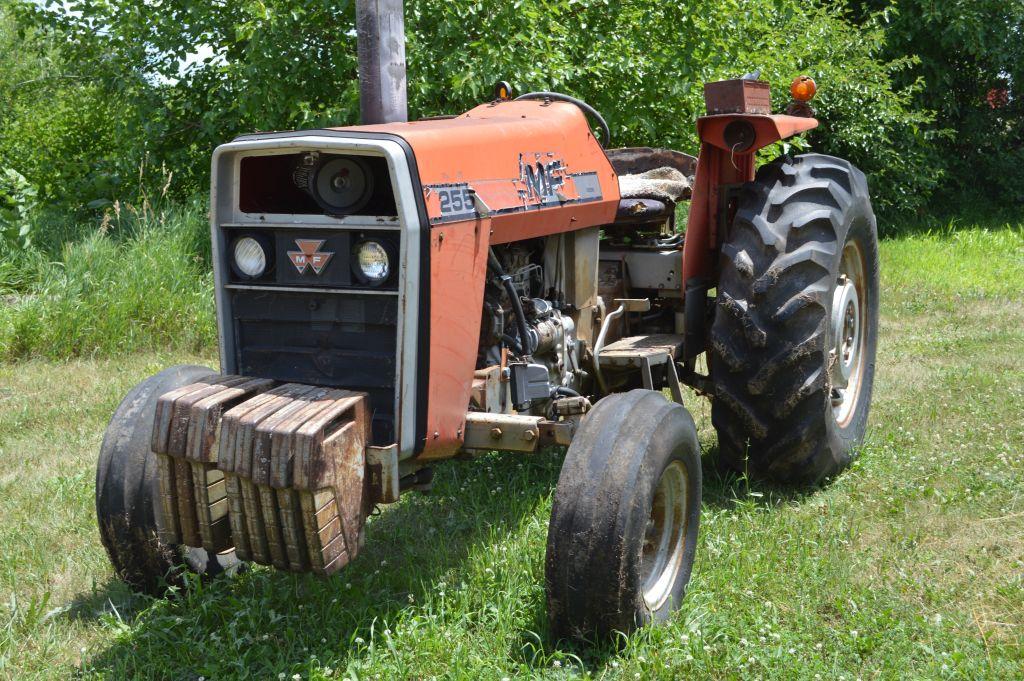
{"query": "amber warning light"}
pixel 803 88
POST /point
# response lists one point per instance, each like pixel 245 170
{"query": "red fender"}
pixel 719 165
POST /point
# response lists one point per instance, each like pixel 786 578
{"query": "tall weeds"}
pixel 140 279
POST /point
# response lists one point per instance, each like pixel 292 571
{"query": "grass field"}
pixel 911 564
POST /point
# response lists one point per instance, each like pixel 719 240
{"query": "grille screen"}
pixel 338 340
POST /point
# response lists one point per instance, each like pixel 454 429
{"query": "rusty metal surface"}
pixel 739 95
pixel 637 160
pixel 211 505
pixel 380 28
pixel 323 443
pixel 382 467
pixel 296 493
pixel 509 432
pixel 656 348
pixel 633 211
pixel 491 391
pixel 277 473
pixel 165 407
pixel 205 416
pixel 517 433
pixel 191 504
pixel 559 433
pixel 279 425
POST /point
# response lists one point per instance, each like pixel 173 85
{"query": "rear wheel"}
pixel 793 341
pixel 127 489
pixel 625 516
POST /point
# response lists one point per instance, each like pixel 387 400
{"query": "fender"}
pixel 728 145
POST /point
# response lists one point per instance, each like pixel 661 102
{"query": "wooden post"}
pixel 380 31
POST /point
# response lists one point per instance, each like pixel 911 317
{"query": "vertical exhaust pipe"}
pixel 380 41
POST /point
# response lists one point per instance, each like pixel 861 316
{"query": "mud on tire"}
pixel 603 571
pixel 772 340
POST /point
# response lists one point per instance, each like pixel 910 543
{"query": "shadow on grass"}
pixel 113 599
pixel 263 620
pixel 722 489
pixel 725 488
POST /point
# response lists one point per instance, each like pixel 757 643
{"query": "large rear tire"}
pixel 793 341
pixel 625 517
pixel 127 493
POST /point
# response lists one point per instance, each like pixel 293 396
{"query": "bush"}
pixel 643 64
pixel 971 55
pixel 17 204
pixel 63 125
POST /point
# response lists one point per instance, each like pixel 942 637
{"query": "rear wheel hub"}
pixel 846 354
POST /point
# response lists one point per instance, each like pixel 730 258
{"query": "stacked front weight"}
pixel 294 463
pixel 193 499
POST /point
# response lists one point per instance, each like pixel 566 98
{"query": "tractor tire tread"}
pixel 767 345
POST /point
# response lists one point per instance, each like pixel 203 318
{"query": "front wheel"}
pixel 792 349
pixel 127 489
pixel 625 516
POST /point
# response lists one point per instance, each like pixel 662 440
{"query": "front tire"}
pixel 625 517
pixel 792 348
pixel 127 493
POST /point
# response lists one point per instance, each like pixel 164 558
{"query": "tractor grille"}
pixel 310 317
pixel 337 339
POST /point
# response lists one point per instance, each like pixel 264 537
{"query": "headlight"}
pixel 250 257
pixel 371 262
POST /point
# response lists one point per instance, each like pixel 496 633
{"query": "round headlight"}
pixel 371 262
pixel 250 258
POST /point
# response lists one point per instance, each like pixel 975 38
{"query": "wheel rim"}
pixel 664 539
pixel 849 316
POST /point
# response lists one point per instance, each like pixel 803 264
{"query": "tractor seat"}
pixel 651 196
pixel 662 184
pixel 660 174
pixel 651 181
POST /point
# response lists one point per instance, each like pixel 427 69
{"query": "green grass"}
pixel 140 280
pixel 911 564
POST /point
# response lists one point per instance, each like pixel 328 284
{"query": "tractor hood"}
pixel 504 161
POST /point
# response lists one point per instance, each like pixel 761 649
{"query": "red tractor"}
pixel 394 294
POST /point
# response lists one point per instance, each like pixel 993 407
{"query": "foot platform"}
pixel 644 352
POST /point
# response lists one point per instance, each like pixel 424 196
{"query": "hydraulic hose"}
pixel 512 343
pixel 606 136
pixel 517 304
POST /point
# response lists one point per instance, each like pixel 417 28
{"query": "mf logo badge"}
pixel 309 255
pixel 543 178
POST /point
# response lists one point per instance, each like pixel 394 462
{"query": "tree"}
pixel 279 64
pixel 971 55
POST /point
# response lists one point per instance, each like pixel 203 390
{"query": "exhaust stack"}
pixel 380 40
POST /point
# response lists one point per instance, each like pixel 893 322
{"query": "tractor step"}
pixel 277 473
pixel 644 352
pixel 632 351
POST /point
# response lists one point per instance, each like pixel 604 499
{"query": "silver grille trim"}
pixel 224 210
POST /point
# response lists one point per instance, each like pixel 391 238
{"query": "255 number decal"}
pixel 456 200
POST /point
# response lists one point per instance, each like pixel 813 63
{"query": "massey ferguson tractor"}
pixel 394 294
